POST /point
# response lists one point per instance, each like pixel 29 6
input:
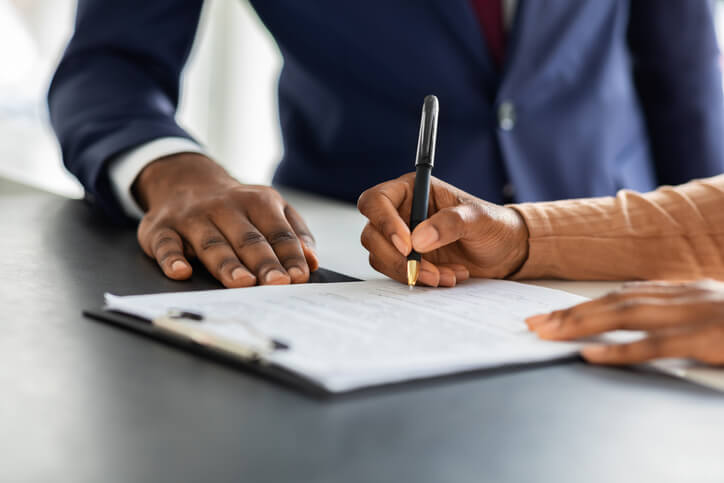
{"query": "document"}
pixel 345 336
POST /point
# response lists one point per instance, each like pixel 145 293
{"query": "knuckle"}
pixel 616 296
pixel 211 241
pixel 618 351
pixel 249 239
pixel 281 236
pixel 266 195
pixel 164 240
pixel 365 238
pixel 455 218
pixel 386 227
pixel 294 261
pixel 653 346
pixel 169 255
pixel 626 306
pixel 266 265
pixel 576 318
pixel 227 262
pixel 557 314
pixel 363 201
pixel 565 314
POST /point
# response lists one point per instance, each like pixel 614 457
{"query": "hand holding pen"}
pixel 461 235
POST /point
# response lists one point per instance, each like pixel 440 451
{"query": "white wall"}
pixel 228 102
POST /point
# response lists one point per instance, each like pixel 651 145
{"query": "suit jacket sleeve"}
pixel 117 85
pixel 675 61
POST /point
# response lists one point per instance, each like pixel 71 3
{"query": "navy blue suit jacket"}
pixel 605 94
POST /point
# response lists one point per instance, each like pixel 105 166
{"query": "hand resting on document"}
pixel 680 319
pixel 243 234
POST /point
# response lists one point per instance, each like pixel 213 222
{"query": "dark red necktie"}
pixel 490 16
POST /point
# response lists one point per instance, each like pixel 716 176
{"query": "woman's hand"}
pixel 680 319
pixel 463 236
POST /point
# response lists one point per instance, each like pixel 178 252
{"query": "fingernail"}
pixel 274 276
pixel 238 273
pixel 178 265
pixel 461 275
pixel 399 244
pixel 295 272
pixel 536 320
pixel 447 279
pixel 594 350
pixel 429 278
pixel 548 328
pixel 425 237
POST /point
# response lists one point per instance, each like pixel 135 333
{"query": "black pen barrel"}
pixel 420 200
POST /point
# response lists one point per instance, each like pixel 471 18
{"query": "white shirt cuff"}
pixel 125 168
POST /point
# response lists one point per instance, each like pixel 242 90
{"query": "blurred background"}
pixel 228 100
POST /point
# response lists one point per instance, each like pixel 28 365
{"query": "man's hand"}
pixel 243 234
pixel 681 320
pixel 462 237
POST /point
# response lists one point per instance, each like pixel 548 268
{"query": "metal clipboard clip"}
pixel 255 347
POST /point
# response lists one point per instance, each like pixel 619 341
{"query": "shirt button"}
pixel 506 116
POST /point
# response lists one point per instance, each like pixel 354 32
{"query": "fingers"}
pixel 272 223
pixel 165 246
pixel 704 343
pixel 616 298
pixel 252 248
pixel 632 314
pixel 628 292
pixel 309 244
pixel 381 205
pixel 444 227
pixel 671 286
pixel 386 259
pixel 461 271
pixel 214 251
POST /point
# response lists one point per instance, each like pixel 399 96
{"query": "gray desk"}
pixel 82 401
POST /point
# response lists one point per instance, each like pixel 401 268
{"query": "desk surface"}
pixel 81 401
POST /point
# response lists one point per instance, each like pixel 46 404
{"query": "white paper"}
pixel 350 335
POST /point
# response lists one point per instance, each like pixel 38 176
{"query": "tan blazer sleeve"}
pixel 670 233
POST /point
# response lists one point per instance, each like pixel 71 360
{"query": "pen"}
pixel 424 161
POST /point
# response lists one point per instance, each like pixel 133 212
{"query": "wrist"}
pixel 175 173
pixel 520 252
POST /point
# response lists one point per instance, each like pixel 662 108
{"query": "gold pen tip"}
pixel 413 270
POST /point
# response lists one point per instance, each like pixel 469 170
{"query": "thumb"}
pixel 444 227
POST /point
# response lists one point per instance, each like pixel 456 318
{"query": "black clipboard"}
pixel 145 328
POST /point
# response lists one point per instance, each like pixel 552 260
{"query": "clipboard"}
pixel 169 331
